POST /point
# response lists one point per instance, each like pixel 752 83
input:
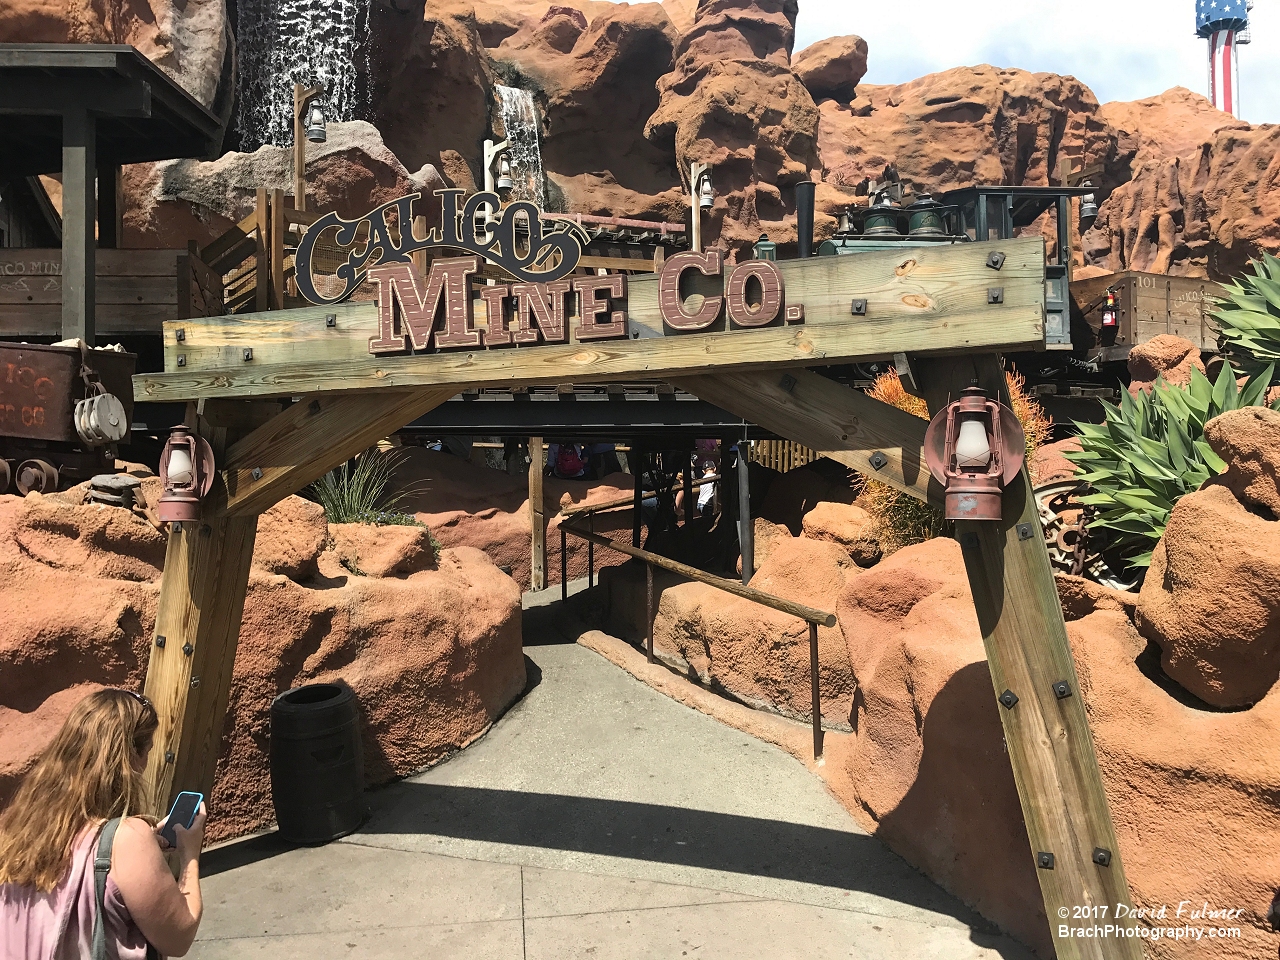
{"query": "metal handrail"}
pixel 810 615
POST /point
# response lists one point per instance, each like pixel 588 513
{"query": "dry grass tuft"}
pixel 902 519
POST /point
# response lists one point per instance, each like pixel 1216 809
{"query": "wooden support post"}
pixel 538 517
pixel 110 206
pixel 1073 841
pixel 79 213
pixel 206 573
pixel 299 149
pixel 261 264
pixel 277 249
pixel 746 532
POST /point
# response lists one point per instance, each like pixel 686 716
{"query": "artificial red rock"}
pixel 434 656
pixel 291 536
pixel 1163 356
pixel 383 550
pixel 1249 441
pixel 1211 599
pixel 1204 214
pixel 432 81
pixel 1048 465
pixel 759 655
pixel 596 93
pixel 848 525
pixel 190 40
pixel 790 496
pixel 172 202
pixel 831 68
pixel 1172 124
pixel 733 101
pixel 966 126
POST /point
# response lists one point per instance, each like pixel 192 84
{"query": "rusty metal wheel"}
pixel 6 474
pixel 40 476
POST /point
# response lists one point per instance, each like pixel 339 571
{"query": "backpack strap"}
pixel 101 867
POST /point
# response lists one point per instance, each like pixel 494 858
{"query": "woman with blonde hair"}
pixel 83 806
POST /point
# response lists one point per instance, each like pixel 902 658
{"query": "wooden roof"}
pixel 142 114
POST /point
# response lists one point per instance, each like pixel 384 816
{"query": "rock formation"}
pixel 1163 356
pixel 1205 213
pixel 831 68
pixel 733 101
pixel 433 652
pixel 171 202
pixel 597 87
pixel 1211 600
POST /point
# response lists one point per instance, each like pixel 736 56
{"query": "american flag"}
pixel 1219 21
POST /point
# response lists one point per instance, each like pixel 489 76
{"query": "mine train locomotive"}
pixel 984 213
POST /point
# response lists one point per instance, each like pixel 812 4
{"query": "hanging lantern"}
pixel 765 249
pixel 706 195
pixel 974 447
pixel 315 122
pixel 881 220
pixel 925 218
pixel 186 473
pixel 1088 209
pixel 1109 310
pixel 504 175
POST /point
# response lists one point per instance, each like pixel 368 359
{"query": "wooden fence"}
pixel 782 455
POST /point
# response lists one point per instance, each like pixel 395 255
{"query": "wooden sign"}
pixel 426 314
pixel 697 316
pixel 515 237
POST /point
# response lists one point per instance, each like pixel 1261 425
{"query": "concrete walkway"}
pixel 598 819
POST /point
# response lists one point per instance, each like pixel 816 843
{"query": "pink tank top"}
pixel 58 925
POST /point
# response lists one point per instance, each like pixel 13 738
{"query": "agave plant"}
pixel 1151 451
pixel 1249 317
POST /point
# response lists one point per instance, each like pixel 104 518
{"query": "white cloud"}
pixel 1122 49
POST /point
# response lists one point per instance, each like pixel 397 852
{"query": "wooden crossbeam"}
pixel 1047 734
pixel 838 421
pixel 309 439
pixel 925 300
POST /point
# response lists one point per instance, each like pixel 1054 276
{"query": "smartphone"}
pixel 182 814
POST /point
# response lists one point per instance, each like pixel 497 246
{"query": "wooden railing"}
pixel 782 455
pixel 812 616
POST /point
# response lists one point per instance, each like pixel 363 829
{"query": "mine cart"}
pixel 1118 311
pixel 60 408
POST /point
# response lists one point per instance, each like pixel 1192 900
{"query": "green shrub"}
pixel 1151 451
pixel 362 493
pixel 1249 317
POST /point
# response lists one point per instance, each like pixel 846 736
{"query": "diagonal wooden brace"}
pixel 309 439
pixel 842 423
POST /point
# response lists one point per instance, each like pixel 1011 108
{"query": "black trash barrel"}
pixel 317 767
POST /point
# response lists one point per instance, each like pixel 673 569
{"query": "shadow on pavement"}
pixel 664 834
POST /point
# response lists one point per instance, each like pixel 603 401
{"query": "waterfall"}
pixel 322 43
pixel 520 126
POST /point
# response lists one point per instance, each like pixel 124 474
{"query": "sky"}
pixel 1121 49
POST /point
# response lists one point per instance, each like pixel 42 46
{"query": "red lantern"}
pixel 974 447
pixel 186 471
